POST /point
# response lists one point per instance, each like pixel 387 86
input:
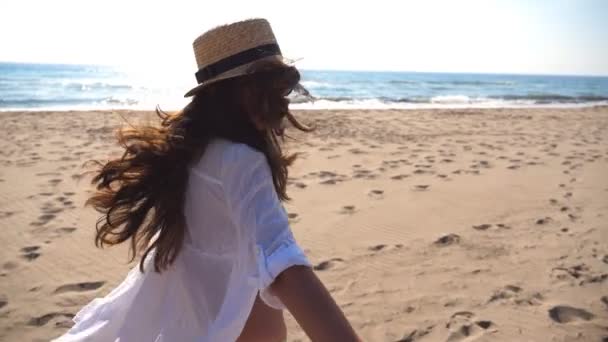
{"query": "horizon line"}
pixel 347 70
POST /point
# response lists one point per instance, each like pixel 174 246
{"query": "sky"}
pixel 484 36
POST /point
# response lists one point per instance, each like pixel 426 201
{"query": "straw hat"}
pixel 229 51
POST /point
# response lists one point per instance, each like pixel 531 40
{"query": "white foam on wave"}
pixel 316 84
pixel 377 104
pixel 168 102
pixel 451 99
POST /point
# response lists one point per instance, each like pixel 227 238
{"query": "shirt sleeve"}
pixel 256 207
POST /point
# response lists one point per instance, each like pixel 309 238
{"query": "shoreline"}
pixel 447 107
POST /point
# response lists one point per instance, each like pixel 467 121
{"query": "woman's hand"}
pixel 311 304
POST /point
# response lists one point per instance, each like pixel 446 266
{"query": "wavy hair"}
pixel 141 194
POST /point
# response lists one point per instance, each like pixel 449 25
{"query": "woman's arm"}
pixel 264 324
pixel 312 306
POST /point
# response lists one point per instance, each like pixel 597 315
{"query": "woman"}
pixel 200 197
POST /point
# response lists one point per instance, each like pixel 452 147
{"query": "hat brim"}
pixel 242 70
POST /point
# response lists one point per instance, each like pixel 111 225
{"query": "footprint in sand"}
pixel 5 214
pixel 9 265
pixel 63 322
pixel 348 209
pixel 357 151
pixel 43 219
pixel 580 274
pixel 51 210
pixel 65 201
pixel 416 334
pixel 568 314
pixel 66 229
pixel 30 253
pixel 29 249
pixel 573 217
pixel 327 264
pixel 399 177
pixel 484 226
pixel 376 194
pixel 328 182
pixel 516 295
pixel 484 164
pixel 79 287
pixel 78 176
pixel 542 221
pixel 447 240
pixel 463 326
pixel 421 187
pixel 299 185
pixel 507 292
pixel 3 301
pixel 367 174
pixel 377 248
pixel 55 181
pixel 43 174
pixel 293 217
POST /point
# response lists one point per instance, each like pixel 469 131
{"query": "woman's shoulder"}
pixel 234 153
pixel 224 159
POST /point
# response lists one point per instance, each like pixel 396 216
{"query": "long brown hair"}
pixel 141 194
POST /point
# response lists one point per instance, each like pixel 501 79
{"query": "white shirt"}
pixel 237 242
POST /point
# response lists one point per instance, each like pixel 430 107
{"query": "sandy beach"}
pixel 426 225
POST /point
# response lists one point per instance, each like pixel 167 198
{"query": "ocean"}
pixel 80 87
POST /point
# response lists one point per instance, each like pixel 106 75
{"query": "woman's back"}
pixel 208 292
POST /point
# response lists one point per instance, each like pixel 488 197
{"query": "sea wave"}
pixel 93 86
pixel 452 101
pixel 53 103
pixel 330 102
pixel 553 98
pixel 316 84
pixel 452 83
pixel 42 87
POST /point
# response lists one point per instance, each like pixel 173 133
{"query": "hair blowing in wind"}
pixel 141 194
